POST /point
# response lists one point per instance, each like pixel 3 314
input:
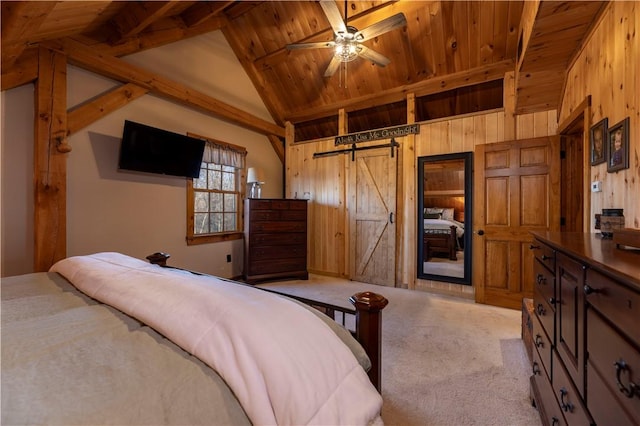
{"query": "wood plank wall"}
pixel 325 179
pixel 602 70
pixel 606 70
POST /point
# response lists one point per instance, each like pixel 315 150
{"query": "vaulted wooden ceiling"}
pixel 451 54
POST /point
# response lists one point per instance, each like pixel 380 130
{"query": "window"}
pixel 214 200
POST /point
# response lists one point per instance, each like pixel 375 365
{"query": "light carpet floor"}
pixel 445 361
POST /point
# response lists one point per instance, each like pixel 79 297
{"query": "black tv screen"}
pixel 152 150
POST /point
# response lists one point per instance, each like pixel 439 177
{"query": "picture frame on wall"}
pixel 618 146
pixel 598 136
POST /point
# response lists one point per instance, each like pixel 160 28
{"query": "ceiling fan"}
pixel 347 42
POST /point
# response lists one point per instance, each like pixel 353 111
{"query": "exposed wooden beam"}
pixel 50 160
pixel 278 146
pixel 85 114
pixel 138 15
pixel 202 11
pixel 427 87
pixel 120 70
pixel 23 71
pixel 173 29
pixel 269 98
pixel 19 21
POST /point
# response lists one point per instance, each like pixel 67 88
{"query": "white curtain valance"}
pixel 223 154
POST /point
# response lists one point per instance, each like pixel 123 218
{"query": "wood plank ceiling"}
pixel 451 54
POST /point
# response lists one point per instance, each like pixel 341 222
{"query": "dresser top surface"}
pixel 601 254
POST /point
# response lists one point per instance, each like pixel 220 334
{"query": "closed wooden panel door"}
pixel 517 192
pixel 372 189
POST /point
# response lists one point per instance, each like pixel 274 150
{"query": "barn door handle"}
pixel 391 217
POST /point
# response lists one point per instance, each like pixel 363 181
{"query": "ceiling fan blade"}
pixel 318 45
pixel 373 56
pixel 396 21
pixel 333 16
pixel 333 66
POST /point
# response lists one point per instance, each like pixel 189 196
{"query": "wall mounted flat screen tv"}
pixel 152 150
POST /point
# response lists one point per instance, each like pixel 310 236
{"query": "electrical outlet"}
pixel 228 258
pixel 596 186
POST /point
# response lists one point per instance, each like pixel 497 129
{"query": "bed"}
pixel 443 235
pixel 110 339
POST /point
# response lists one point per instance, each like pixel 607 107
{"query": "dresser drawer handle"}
pixel 555 421
pixel 566 406
pixel 540 279
pixel 545 257
pixel 539 341
pixel 540 309
pixel 552 301
pixel 536 369
pixel 532 247
pixel 633 389
pixel 590 290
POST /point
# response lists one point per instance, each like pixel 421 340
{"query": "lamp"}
pixel 254 177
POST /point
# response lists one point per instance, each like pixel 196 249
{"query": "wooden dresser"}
pixel 275 239
pixel 586 330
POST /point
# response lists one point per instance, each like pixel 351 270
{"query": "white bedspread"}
pixel 283 364
pixel 444 225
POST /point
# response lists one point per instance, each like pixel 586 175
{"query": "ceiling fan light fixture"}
pixel 346 49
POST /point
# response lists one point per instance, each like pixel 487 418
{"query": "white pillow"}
pixel 447 214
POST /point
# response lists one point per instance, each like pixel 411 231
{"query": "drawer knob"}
pixel 552 301
pixel 566 406
pixel 632 389
pixel 540 309
pixel 540 279
pixel 539 342
pixel 590 290
pixel 536 369
pixel 545 257
pixel 532 247
pixel 555 421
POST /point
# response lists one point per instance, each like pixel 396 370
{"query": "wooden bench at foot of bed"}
pixel 367 310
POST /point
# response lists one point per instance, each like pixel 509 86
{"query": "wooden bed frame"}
pixel 367 311
pixel 440 241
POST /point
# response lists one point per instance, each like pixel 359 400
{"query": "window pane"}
pixel 230 202
pixel 216 202
pixel 215 179
pixel 201 182
pixel 215 222
pixel 229 169
pixel 228 181
pixel 229 221
pixel 201 222
pixel 201 201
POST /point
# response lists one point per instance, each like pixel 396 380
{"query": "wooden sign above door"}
pixel 378 134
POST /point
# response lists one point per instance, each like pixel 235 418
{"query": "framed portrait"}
pixel 618 146
pixel 598 138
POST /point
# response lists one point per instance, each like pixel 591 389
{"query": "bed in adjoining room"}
pixel 110 339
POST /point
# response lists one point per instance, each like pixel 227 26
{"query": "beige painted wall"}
pixel 608 70
pixel 137 214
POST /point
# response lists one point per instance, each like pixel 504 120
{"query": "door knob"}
pixel 480 232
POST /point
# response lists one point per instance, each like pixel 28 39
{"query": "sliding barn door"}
pixel 372 204
pixel 517 191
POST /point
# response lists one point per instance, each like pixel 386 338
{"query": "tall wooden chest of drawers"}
pixel 275 239
pixel 586 330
